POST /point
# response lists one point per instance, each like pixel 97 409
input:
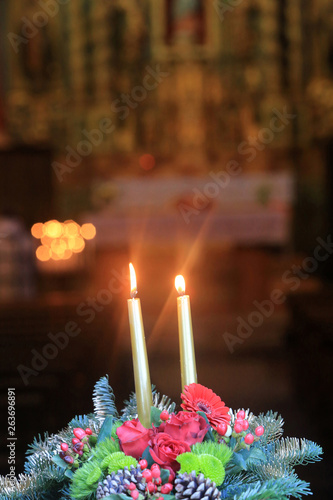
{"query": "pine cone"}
pixel 190 486
pixel 119 481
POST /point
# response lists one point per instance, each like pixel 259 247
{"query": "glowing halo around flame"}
pixel 180 284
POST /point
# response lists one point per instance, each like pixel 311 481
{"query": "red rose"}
pixel 187 426
pixel 133 438
pixel 164 450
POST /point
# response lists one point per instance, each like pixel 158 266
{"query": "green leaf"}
pixel 209 436
pixel 165 473
pixel 147 456
pixel 155 416
pixel 119 496
pixel 256 455
pixel 69 473
pixel 106 429
pixel 239 461
pixel 59 462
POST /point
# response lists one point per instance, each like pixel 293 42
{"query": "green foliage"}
pixel 119 460
pixel 210 466
pixel 221 451
pixel 106 429
pixel 105 449
pixel 188 462
pixel 85 480
pixel 104 399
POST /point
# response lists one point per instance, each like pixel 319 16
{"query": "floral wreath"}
pixel 205 451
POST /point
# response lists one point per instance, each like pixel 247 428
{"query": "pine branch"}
pixel 297 451
pixel 272 423
pixel 130 410
pixel 104 399
pixel 279 489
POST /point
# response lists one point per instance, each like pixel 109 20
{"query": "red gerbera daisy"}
pixel 197 397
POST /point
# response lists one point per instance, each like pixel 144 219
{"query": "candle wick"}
pixel 133 293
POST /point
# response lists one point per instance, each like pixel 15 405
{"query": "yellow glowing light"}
pixel 88 231
pixel 53 229
pixel 134 288
pixel 46 241
pixel 78 245
pixel 37 230
pixel 43 253
pixel 55 256
pixel 71 228
pixel 67 254
pixel 58 245
pixel 180 284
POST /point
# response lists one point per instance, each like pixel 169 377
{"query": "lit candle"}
pixel 139 352
pixel 186 345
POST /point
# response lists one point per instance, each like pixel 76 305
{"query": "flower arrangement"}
pixel 204 451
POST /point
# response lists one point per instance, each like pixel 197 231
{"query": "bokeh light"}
pixel 147 161
pixel 59 240
pixel 88 231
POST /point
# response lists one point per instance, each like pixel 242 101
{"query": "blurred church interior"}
pixel 189 137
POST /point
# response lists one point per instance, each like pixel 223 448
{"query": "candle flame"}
pixel 134 289
pixel 180 284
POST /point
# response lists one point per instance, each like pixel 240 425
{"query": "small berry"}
pixel 80 453
pixel 259 430
pixel 172 476
pixel 62 454
pixel 166 488
pixel 241 414
pixel 75 440
pixel 143 464
pixel 164 415
pixel 147 475
pixel 155 466
pixel 151 487
pixel 155 472
pixel 88 431
pixel 245 425
pixel 249 438
pixel 134 494
pixel 79 433
pixel 222 428
pixel 159 498
pixel 158 481
pixel 238 428
pixel 69 460
pixel 132 487
pixel 78 447
pixel 64 446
